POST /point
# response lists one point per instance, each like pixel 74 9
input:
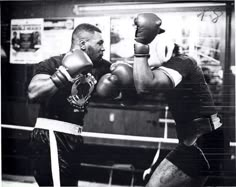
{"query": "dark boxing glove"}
pixel 73 63
pixel 108 86
pixel 148 26
pixel 119 80
pixel 124 73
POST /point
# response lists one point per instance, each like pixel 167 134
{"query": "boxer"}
pixel 190 101
pixel 63 86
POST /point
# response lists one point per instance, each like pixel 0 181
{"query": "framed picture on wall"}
pixel 26 41
pixel 57 36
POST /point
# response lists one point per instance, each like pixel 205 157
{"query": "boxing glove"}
pixel 73 63
pixel 124 73
pixel 108 86
pixel 148 26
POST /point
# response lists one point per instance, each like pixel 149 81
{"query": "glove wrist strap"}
pixel 142 55
pixel 56 80
pixel 59 79
pixel 141 50
pixel 64 71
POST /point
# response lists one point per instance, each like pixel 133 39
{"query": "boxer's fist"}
pixel 148 26
pixel 73 63
pixel 124 72
pixel 119 80
pixel 108 86
pixel 77 62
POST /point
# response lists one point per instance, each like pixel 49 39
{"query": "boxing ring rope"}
pixel 112 136
pixel 107 135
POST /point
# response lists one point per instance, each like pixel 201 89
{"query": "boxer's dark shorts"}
pixel 203 159
pixel 191 160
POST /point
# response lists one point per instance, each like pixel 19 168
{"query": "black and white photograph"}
pixel 118 93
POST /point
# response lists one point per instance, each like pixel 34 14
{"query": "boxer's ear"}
pixel 82 45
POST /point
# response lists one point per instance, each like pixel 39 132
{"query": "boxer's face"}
pixel 94 47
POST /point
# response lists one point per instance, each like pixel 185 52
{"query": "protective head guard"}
pixel 161 50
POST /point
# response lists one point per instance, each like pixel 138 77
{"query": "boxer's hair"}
pixel 78 33
pixel 176 50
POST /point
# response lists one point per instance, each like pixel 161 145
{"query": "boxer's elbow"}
pixel 143 87
pixel 32 95
pixel 34 91
pixel 41 87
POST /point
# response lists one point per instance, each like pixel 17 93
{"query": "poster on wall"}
pixel 57 36
pixel 103 23
pixel 26 41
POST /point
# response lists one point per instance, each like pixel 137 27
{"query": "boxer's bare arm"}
pixel 41 86
pixel 147 80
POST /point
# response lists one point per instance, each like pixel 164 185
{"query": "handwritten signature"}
pixel 214 15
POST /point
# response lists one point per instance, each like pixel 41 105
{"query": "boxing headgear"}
pixel 161 50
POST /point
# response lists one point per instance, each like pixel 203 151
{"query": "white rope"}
pixel 113 136
pixel 109 136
